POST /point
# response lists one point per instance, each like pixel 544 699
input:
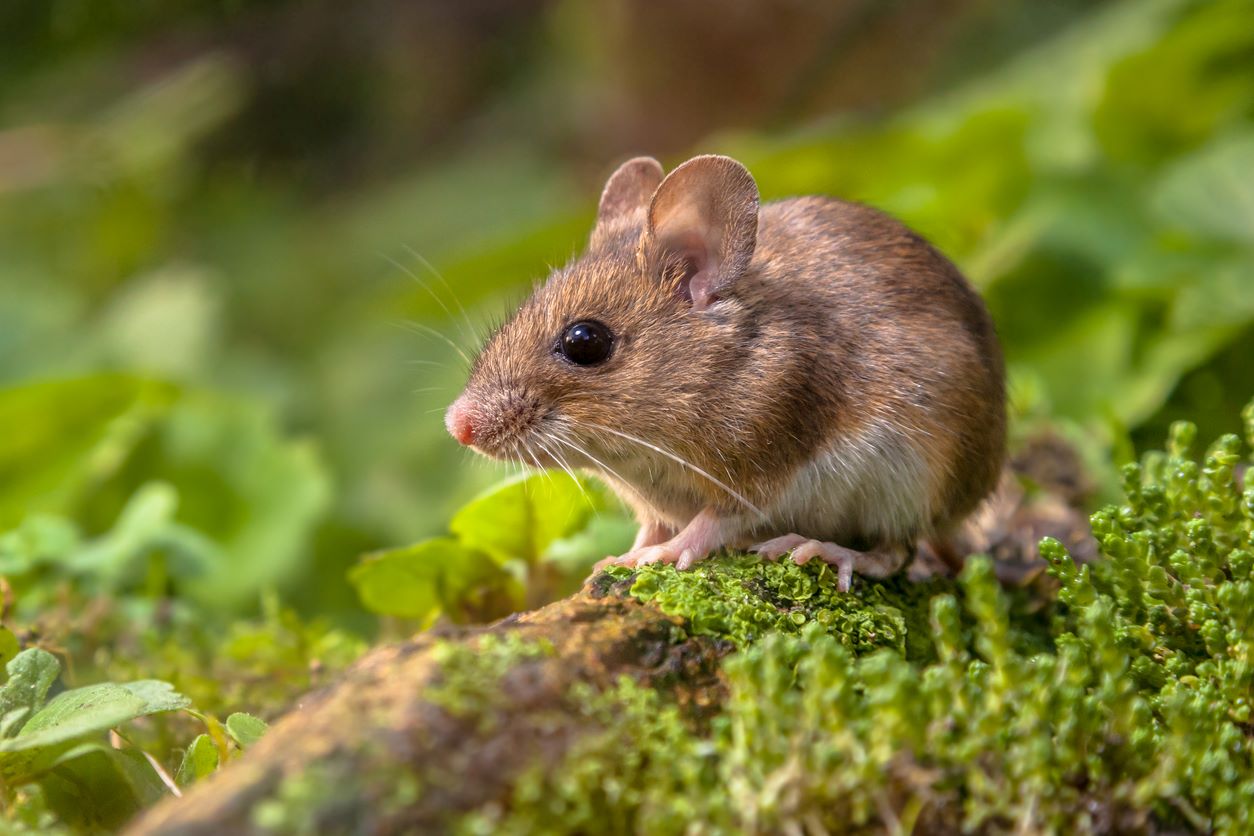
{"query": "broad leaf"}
pixel 245 729
pixel 9 646
pixel 158 696
pixel 31 674
pixel 199 761
pixel 520 518
pixel 61 435
pixel 1211 192
pixel 97 788
pixel 421 580
pixel 77 715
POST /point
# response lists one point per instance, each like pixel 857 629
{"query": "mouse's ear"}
pixel 703 222
pixel 628 190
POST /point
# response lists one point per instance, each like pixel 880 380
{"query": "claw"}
pixel 877 563
pixel 777 547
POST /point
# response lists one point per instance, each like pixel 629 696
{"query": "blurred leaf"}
pixel 1211 192
pixel 9 648
pixel 1219 297
pixel 421 580
pixel 39 539
pixel 1171 96
pixel 99 788
pixel 252 492
pixel 164 324
pixel 245 729
pixel 199 761
pixel 62 436
pixel 31 674
pixel 520 518
pixel 146 525
pixel 605 534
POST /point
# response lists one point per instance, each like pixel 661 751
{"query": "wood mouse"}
pixel 805 377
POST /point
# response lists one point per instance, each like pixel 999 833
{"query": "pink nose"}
pixel 459 422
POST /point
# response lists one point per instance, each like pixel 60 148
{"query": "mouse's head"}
pixel 626 341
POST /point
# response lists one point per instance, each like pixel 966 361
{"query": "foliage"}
pixel 103 599
pixel 207 413
pixel 1138 717
pixel 529 538
pixel 211 504
pixel 55 763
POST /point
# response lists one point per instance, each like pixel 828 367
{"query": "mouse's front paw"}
pixel 667 552
pixel 695 542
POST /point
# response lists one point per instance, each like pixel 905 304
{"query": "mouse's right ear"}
pixel 702 227
pixel 628 190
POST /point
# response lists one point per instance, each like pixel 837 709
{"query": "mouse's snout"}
pixel 495 422
pixel 460 421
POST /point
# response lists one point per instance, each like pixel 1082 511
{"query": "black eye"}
pixel 586 343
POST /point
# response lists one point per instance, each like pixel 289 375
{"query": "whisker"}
pixel 583 452
pixel 418 281
pixel 427 329
pixel 682 462
pixel 566 467
pixel 530 455
pixel 470 327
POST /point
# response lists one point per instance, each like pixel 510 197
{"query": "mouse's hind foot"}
pixel 876 563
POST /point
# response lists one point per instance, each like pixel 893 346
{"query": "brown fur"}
pixel 834 328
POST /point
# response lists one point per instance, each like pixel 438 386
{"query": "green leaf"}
pixel 40 539
pixel 1210 192
pixel 604 535
pixel 95 787
pixel 265 494
pixel 199 761
pixel 142 526
pixel 9 646
pixel 158 696
pixel 31 674
pixel 419 581
pixel 76 715
pixel 65 434
pixel 245 729
pixel 521 517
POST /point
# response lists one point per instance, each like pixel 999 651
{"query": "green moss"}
pixel 469 679
pixel 743 598
pixel 655 760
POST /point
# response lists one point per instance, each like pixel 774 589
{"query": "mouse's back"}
pixel 903 341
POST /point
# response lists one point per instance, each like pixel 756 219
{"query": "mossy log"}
pixel 419 735
pixel 372 753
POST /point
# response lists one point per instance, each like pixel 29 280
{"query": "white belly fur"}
pixel 873 486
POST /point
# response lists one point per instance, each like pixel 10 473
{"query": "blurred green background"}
pixel 228 228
